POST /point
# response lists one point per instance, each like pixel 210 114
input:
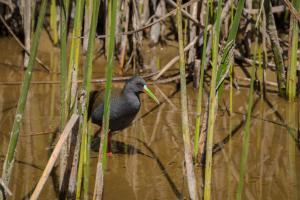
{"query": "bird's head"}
pixel 138 85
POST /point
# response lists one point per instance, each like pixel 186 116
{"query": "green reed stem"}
pixel 101 164
pixel 212 104
pixel 200 90
pixel 74 55
pixel 53 22
pixel 184 114
pixel 109 74
pixel 63 80
pixel 84 152
pixel 63 62
pixel 14 135
pixel 246 138
pixel 292 69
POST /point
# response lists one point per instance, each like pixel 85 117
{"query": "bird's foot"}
pixel 109 154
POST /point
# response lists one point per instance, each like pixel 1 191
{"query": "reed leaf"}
pixel 229 45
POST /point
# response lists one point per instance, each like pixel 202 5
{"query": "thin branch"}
pixel 21 44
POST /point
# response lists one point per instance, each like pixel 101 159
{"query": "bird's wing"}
pixel 96 101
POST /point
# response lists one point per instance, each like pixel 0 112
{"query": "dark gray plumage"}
pixel 124 104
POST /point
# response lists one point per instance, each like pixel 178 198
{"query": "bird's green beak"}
pixel 148 91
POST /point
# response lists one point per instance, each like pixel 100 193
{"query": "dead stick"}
pixel 21 44
pixel 174 60
pixel 54 156
pixel 238 55
pixel 100 80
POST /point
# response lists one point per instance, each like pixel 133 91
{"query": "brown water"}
pixel 148 156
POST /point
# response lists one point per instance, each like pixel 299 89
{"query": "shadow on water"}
pixel 118 147
pixel 163 170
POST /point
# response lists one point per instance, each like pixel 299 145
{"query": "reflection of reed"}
pixel 163 170
pixel 291 145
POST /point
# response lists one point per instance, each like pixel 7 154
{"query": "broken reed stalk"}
pixel 14 135
pixel 201 85
pixel 292 69
pixel 71 93
pixel 101 164
pixel 184 113
pixel 63 81
pixel 57 149
pixel 276 48
pixel 246 138
pixel 212 103
pixel 84 148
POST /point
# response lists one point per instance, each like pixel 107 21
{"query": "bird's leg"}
pixel 109 149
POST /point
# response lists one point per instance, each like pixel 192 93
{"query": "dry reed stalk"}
pixel 58 147
pixel 174 60
pixel 276 48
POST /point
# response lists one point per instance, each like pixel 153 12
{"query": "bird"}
pixel 124 105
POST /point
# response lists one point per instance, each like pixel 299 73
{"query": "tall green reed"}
pixel 212 104
pixel 14 135
pixel 292 69
pixel 53 22
pixel 63 80
pixel 184 114
pixel 101 164
pixel 84 148
pixel 74 57
pixel 201 85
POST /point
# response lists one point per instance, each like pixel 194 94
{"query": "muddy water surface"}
pixel 148 156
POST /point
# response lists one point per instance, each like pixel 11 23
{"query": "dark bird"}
pixel 124 105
